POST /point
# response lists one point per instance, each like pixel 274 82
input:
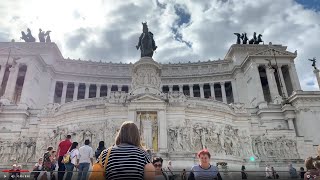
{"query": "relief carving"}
pixel 50 109
pixel 275 147
pixel 117 97
pixel 176 97
pixel 238 107
pixel 146 76
pixel 219 139
pixel 21 150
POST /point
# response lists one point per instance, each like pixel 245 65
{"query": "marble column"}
pixel 109 90
pixel 201 91
pixel 75 91
pixel 284 88
pixel 98 90
pixel 86 96
pixel 316 72
pixel 181 88
pixel 223 91
pixel 12 81
pixel 119 87
pixel 213 96
pixel 234 91
pixel 2 71
pixel 191 90
pixel 52 91
pixel 272 84
pixel 162 123
pixel 290 123
pixel 170 88
pixel 257 84
pixel 64 92
pixel 129 88
pixel 27 85
pixel 131 117
pixel 294 77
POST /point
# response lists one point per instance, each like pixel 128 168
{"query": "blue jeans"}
pixel 69 169
pixel 83 171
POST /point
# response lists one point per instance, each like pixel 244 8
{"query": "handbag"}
pixel 98 170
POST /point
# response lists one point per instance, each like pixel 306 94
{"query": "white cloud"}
pixel 109 30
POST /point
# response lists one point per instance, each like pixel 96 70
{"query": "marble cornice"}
pixel 251 48
pixel 305 99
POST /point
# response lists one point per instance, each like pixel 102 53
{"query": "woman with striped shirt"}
pixel 127 159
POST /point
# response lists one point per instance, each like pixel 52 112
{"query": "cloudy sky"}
pixel 184 30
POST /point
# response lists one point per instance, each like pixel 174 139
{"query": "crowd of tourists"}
pixel 312 171
pixel 127 159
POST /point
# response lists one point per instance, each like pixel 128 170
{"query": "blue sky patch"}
pixel 184 18
pixel 310 4
pixel 310 83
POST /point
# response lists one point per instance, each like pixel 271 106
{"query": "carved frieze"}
pixel 176 98
pixel 146 75
pixel 22 149
pixel 220 139
pixel 50 109
pixel 239 107
pixel 278 147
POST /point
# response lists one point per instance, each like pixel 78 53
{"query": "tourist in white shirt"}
pixel 85 158
pixel 268 172
pixel 74 153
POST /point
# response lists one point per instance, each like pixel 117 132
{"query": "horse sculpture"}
pixel 244 38
pixel 238 37
pixel 146 42
pixel 259 39
pixel 256 40
pixel 27 37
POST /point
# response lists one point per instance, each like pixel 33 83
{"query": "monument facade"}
pixel 250 104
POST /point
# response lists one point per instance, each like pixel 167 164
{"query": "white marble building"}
pixel 250 104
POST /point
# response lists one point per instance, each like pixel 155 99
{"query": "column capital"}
pixel 180 85
pixel 190 85
pixel 87 84
pixel 98 85
pixel 222 83
pixel 170 86
pixel 211 84
pixel 201 85
pixel 76 84
pixel 65 83
pixel 270 69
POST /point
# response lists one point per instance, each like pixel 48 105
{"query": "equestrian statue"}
pixel 146 42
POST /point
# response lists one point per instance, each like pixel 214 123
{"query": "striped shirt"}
pixel 125 162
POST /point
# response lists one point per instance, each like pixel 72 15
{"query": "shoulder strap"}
pixel 107 158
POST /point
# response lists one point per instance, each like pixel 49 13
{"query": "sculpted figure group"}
pixel 43 36
pixel 243 37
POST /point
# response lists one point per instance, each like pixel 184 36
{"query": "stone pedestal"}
pixel 146 77
pixel 317 73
